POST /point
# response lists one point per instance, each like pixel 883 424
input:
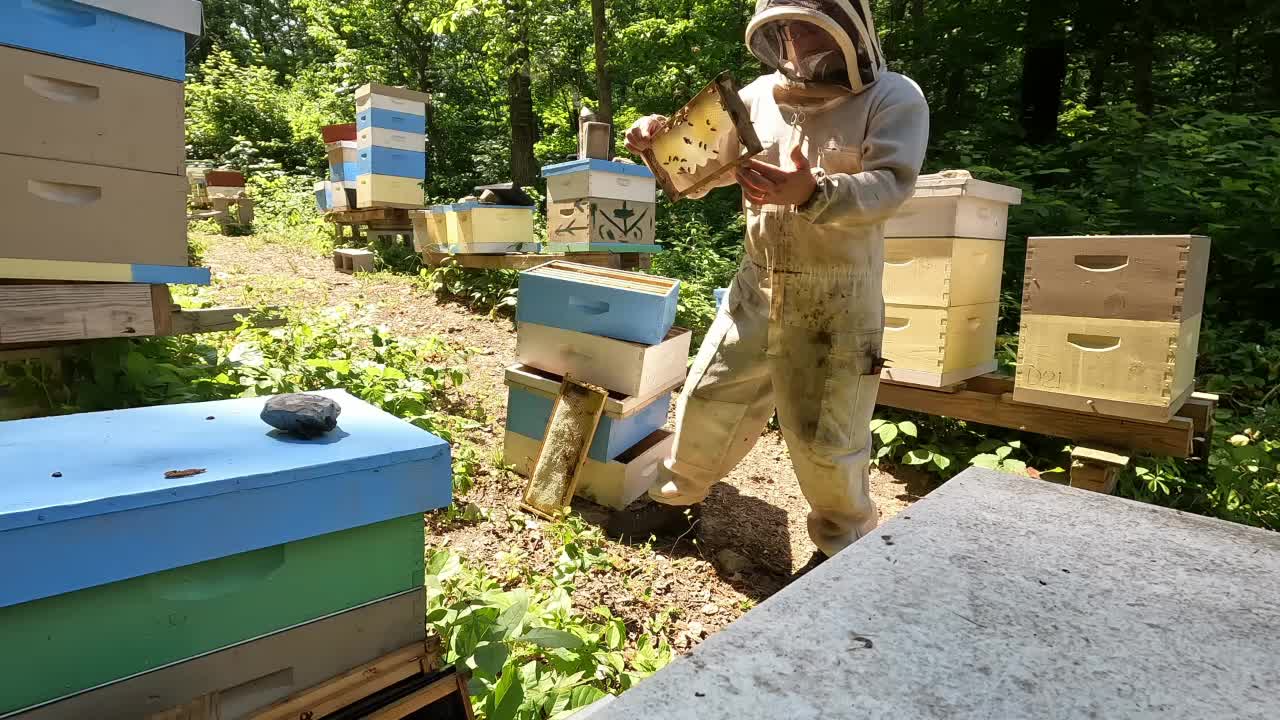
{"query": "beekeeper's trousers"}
pixel 806 343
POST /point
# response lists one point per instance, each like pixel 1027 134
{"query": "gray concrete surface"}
pixel 1002 597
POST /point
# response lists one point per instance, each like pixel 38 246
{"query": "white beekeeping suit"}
pixel 801 328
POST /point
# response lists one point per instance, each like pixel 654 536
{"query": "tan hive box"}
pixel 633 369
pixel 77 112
pixel 68 211
pixel 613 484
pixel 1112 324
pixel 937 346
pixel 953 204
pixel 941 272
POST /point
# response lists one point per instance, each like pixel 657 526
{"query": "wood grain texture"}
pixel 1155 277
pixel 353 685
pixel 405 707
pixel 1172 438
pixel 189 322
pixel 573 423
pixel 43 313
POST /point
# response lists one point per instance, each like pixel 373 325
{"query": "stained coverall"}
pixel 800 330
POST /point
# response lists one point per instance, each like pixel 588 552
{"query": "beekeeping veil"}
pixel 818 41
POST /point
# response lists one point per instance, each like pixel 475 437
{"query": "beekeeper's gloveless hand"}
pixel 640 136
pixel 765 184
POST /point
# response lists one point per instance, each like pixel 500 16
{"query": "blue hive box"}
pixel 529 411
pixel 94 35
pixel 344 172
pixel 85 500
pixel 599 301
pixel 380 160
pixel 391 120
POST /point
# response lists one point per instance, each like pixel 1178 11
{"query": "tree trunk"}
pixel 1143 59
pixel 604 88
pixel 1098 75
pixel 524 166
pixel 1044 69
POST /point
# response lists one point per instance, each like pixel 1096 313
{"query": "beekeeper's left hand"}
pixel 766 184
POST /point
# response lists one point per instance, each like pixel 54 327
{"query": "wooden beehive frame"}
pixel 677 135
pixel 568 437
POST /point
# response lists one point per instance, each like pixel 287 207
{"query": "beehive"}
pixel 1111 324
pixel 601 221
pixel 483 228
pixel 430 229
pixel 388 191
pixel 599 179
pixel 953 204
pixel 614 484
pixel 942 272
pixel 128 543
pixel 531 394
pixel 633 369
pixel 939 346
pixel 613 303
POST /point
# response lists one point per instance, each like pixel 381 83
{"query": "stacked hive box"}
pixel 339 191
pixel 600 206
pixel 944 252
pixel 607 328
pixel 1110 325
pixel 391 146
pixel 223 559
pixel 92 177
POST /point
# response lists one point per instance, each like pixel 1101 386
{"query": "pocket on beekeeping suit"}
pixel 849 396
pixel 835 158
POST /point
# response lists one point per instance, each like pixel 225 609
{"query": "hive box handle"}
pixel 64 12
pixel 975 323
pixel 892 323
pixel 60 90
pixel 899 263
pixel 1093 343
pixel 1102 263
pixel 589 307
pixel 64 192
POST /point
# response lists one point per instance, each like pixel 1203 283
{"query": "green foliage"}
pixel 531 655
pixel 943 447
pixel 492 291
pixel 285 211
pixel 417 380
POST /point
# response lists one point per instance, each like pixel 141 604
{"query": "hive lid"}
pixel 109 462
pixel 956 183
pixel 183 15
pixel 592 164
pixel 391 91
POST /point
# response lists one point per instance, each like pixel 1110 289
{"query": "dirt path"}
pixel 752 540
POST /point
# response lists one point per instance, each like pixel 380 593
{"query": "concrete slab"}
pixel 1002 597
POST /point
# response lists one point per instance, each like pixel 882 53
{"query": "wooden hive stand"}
pixel 1101 441
pixel 360 227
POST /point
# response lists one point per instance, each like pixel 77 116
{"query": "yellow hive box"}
pixel 388 191
pixel 472 224
pixel 936 346
pixel 1141 369
pixel 941 272
pixel 953 203
pixel 1134 277
pixel 430 229
pixel 613 484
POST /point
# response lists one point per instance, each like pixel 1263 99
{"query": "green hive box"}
pixel 66 643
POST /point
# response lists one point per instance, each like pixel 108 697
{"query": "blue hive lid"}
pixel 597 165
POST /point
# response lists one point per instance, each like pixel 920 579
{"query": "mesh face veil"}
pixel 822 41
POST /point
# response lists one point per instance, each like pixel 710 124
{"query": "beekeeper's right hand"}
pixel 640 136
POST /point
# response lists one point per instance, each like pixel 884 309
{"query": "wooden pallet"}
pixel 358 227
pixel 524 261
pixel 988 400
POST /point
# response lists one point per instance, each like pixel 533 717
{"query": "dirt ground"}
pixel 752 539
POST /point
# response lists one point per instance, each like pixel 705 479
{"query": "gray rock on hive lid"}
pixel 301 415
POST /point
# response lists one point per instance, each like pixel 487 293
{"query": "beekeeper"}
pixel 800 330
